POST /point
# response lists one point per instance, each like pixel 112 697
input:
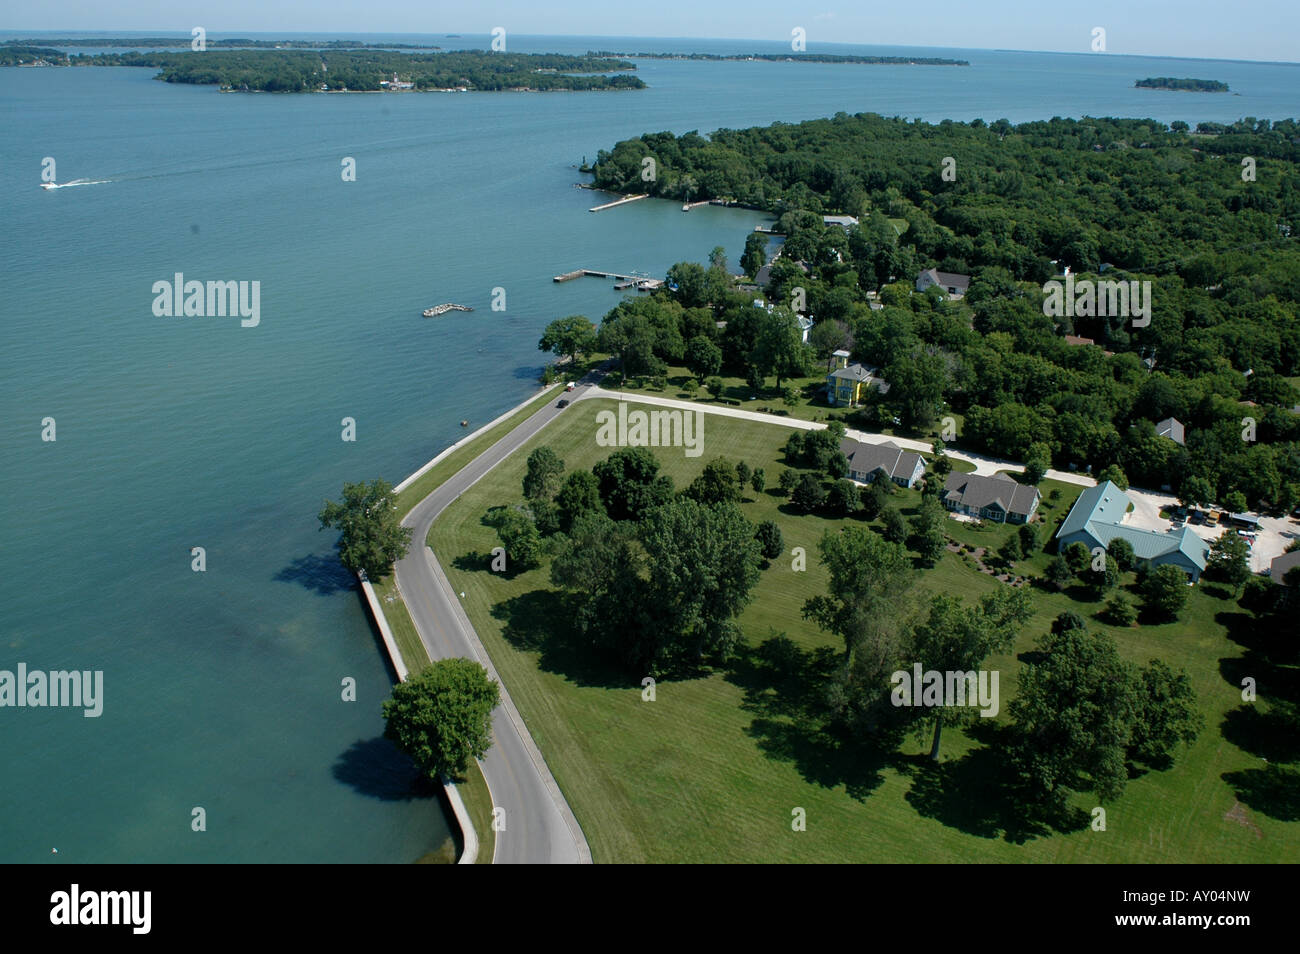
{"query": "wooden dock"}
pixel 623 201
pixel 621 282
pixel 686 207
pixel 442 309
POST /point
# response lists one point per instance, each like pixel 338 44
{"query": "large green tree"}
pixel 371 537
pixel 442 716
pixel 1073 715
pixel 572 337
pixel 959 638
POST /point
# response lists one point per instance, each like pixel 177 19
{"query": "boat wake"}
pixel 74 182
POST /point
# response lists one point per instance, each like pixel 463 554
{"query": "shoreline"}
pixel 469 837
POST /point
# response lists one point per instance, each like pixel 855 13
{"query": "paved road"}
pixel 540 828
pixel 983 464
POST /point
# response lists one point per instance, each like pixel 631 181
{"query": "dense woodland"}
pixel 299 71
pixel 1208 217
pixel 1194 85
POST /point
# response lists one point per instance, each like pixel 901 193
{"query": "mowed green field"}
pixel 714 767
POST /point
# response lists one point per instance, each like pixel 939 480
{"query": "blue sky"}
pixel 1216 29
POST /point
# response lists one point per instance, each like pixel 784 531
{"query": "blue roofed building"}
pixel 1097 518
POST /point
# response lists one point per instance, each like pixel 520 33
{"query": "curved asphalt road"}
pixel 540 827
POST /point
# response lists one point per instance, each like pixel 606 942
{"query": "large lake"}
pixel 222 688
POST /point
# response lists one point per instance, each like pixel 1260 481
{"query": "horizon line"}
pixel 237 34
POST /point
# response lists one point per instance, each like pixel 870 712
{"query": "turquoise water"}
pixel 222 689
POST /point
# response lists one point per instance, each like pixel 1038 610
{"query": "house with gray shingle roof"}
pixel 850 383
pixel 1278 569
pixel 953 284
pixel 1171 428
pixel 1097 518
pixel 991 498
pixel 867 461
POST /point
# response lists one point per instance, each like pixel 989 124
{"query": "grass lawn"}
pixel 713 768
pixel 811 405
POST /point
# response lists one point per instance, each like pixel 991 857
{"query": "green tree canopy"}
pixel 442 716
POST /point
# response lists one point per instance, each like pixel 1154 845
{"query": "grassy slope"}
pixel 712 769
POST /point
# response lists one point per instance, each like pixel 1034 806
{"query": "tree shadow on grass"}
pixel 540 621
pixel 319 572
pixel 978 794
pixel 1273 790
pixel 784 688
pixel 1268 730
pixel 375 767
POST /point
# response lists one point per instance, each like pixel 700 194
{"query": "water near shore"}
pixel 222 689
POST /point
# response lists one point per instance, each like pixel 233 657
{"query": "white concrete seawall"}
pixel 470 855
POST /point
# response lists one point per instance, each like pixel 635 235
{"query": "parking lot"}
pixel 1270 542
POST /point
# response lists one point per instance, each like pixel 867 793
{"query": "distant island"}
pixel 795 57
pixel 155 42
pixel 1187 85
pixel 352 70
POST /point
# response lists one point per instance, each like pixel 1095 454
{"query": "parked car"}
pixel 1212 519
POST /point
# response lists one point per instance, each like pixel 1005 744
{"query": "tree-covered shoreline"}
pixel 1207 219
pixel 152 42
pixel 793 57
pixel 369 70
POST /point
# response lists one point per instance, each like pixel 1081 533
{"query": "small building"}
pixel 848 384
pixel 1281 565
pixel 1244 520
pixel 805 326
pixel 843 221
pixel 1172 429
pixel 953 284
pixel 1097 518
pixel 996 498
pixel 868 461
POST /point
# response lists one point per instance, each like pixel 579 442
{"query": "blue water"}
pixel 223 688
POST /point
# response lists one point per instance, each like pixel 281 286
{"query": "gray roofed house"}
pixel 848 384
pixel 1097 518
pixel 992 498
pixel 951 282
pixel 843 221
pixel 866 461
pixel 1171 428
pixel 1277 570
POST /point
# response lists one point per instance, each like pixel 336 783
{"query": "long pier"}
pixel 622 201
pixel 622 282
